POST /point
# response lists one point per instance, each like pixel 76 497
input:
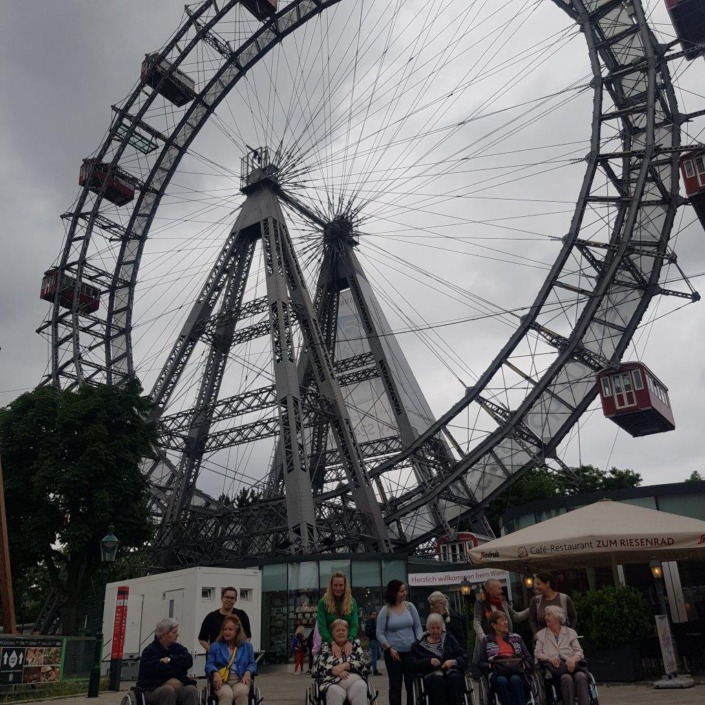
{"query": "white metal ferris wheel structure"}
pixel 269 323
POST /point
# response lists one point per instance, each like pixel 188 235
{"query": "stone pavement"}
pixel 281 687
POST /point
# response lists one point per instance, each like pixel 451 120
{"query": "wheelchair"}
pixel 489 696
pixel 209 697
pixel 136 696
pixel 314 696
pixel 423 697
pixel 552 692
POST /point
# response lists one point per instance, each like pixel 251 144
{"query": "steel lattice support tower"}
pixel 288 306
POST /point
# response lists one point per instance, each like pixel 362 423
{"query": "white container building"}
pixel 187 596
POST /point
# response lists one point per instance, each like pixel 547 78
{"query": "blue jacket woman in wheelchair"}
pixel 441 661
pixel 342 677
pixel 233 654
pixel 558 650
pixel 504 656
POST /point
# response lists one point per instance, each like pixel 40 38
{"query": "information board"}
pixel 30 660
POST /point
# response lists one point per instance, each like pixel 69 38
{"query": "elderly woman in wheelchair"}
pixel 230 663
pixel 558 650
pixel 441 661
pixel 342 678
pixel 506 662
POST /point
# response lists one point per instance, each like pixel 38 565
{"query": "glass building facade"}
pixel 292 588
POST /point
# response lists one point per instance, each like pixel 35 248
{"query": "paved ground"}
pixel 281 687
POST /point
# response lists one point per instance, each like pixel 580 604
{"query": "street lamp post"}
pixel 108 551
pixel 666 640
pixel 466 591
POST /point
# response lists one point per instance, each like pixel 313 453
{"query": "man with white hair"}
pixel 492 600
pixel 164 664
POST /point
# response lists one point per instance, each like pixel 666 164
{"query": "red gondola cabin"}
pixel 693 173
pixel 688 19
pixel 95 173
pixel 176 86
pixel 635 399
pixel 261 9
pixel 88 296
pixel 456 550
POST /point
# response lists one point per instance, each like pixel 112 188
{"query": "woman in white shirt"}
pixel 557 648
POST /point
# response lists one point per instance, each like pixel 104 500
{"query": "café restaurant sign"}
pixel 601 533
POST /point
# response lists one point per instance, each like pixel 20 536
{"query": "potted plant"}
pixel 612 621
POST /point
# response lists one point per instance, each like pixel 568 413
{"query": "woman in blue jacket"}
pixel 231 650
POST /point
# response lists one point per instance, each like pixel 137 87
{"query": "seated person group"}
pixel 503 657
pixel 230 659
pixel 341 667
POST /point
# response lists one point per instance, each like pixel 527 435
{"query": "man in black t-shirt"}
pixel 213 622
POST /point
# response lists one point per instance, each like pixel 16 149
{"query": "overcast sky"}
pixel 65 62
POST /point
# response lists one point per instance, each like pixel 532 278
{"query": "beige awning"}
pixel 602 533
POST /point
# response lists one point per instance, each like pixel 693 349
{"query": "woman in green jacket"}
pixel 338 603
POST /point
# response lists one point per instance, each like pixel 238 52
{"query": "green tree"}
pixel 71 463
pixel 695 476
pixel 541 483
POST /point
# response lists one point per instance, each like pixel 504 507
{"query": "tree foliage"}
pixel 695 476
pixel 541 484
pixel 71 463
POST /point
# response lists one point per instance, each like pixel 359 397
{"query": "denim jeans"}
pixel 510 690
pixel 374 654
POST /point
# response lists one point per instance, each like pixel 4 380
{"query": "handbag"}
pixel 508 666
pixel 225 670
pixel 580 666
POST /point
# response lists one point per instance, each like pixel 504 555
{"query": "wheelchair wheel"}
pixel 255 697
pixel 469 695
pixel 536 693
pixel 484 691
pixel 540 688
pixel 133 697
pixel 592 690
pixel 419 691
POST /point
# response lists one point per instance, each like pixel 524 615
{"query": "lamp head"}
pixel 109 546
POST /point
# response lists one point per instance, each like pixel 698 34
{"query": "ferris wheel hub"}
pixel 257 169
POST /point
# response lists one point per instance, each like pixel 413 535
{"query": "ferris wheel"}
pixel 310 223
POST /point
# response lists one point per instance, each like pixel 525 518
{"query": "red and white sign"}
pixel 120 624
